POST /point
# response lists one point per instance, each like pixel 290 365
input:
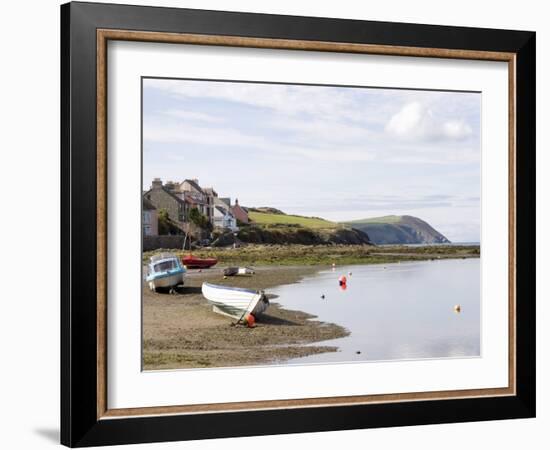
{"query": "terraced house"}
pixel 194 195
pixel 150 219
pixel 178 199
pixel 162 197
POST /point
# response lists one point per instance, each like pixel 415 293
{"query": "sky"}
pixel 341 153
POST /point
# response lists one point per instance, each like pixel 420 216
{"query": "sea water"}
pixel 393 311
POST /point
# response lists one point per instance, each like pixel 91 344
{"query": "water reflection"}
pixel 397 311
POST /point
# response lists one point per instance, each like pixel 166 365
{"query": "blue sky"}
pixel 335 152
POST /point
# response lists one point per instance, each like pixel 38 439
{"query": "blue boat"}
pixel 165 271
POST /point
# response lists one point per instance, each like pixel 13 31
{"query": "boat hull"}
pixel 166 281
pixel 198 263
pixel 233 271
pixel 235 302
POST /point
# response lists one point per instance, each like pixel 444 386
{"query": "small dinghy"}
pixel 164 271
pixel 235 302
pixel 192 262
pixel 232 271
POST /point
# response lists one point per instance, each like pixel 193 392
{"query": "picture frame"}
pixel 86 418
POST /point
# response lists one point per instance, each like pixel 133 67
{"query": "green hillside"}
pixel 398 230
pixel 263 218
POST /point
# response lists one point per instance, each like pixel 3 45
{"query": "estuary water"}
pixel 394 311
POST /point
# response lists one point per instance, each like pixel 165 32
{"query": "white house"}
pixel 150 219
pixel 224 219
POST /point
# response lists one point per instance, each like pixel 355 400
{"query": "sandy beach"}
pixel 181 330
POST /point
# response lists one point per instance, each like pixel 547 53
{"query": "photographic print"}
pixel 308 224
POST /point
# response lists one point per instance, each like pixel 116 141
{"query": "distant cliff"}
pixel 398 230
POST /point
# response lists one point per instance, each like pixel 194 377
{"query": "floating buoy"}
pixel 225 277
pixel 358 352
pixel 349 273
pixel 250 321
pixel 342 280
pixel 343 287
pixel 457 308
pixel 323 296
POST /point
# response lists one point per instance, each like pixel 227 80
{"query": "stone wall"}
pixel 156 242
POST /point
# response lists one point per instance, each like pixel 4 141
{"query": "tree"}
pixel 166 226
pixel 200 220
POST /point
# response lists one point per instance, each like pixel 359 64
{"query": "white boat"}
pixel 235 302
pixel 164 271
pixel 232 271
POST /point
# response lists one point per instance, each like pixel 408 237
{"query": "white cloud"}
pixel 289 100
pixel 456 129
pixel 194 116
pixel 190 134
pixel 414 121
pixel 228 137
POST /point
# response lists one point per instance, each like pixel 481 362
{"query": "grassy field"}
pixel 307 255
pixel 307 222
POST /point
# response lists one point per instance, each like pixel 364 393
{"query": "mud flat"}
pixel 181 330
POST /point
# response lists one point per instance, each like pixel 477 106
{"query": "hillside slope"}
pixel 398 230
pixel 268 218
pixel 271 226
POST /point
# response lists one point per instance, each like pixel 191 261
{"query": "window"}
pixel 164 266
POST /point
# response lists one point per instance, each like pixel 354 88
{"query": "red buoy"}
pixel 342 280
pixel 250 321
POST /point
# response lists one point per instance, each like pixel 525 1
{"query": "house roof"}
pixel 210 191
pixel 225 201
pixel 174 196
pixel 147 205
pixel 223 210
pixel 195 185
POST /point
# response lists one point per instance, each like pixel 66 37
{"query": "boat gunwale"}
pixel 231 288
pixel 158 275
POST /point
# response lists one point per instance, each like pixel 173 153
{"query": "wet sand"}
pixel 181 330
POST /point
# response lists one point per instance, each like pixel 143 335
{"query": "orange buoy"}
pixel 343 286
pixel 250 321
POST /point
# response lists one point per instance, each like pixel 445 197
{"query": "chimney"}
pixel 236 202
pixel 157 183
pixel 170 185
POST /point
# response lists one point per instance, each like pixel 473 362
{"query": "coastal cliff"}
pixel 399 230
